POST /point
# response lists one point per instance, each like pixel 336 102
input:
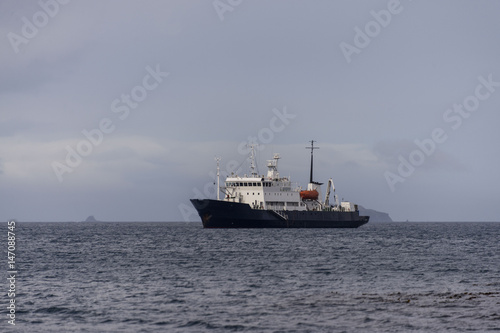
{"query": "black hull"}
pixel 223 214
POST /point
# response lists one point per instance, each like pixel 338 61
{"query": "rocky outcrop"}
pixel 375 216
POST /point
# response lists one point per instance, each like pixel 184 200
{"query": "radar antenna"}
pixel 252 159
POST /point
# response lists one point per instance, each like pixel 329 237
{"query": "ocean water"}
pixel 179 277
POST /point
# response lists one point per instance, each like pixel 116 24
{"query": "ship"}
pixel 272 201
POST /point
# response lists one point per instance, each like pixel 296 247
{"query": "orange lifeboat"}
pixel 309 195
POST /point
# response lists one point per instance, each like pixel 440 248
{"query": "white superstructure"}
pixel 272 192
pixel 264 192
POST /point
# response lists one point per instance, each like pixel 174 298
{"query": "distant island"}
pixel 375 216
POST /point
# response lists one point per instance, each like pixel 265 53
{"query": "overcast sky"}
pixel 117 108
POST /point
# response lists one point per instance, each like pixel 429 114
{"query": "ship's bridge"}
pixel 262 192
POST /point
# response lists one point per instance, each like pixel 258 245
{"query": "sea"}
pixel 179 277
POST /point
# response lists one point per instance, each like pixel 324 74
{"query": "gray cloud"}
pixel 226 77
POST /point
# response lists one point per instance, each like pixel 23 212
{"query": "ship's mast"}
pixel 312 149
pixel 218 178
pixel 252 159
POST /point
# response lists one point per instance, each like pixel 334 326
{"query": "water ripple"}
pixel 178 277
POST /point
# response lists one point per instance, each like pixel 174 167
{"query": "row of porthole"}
pixel 248 193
